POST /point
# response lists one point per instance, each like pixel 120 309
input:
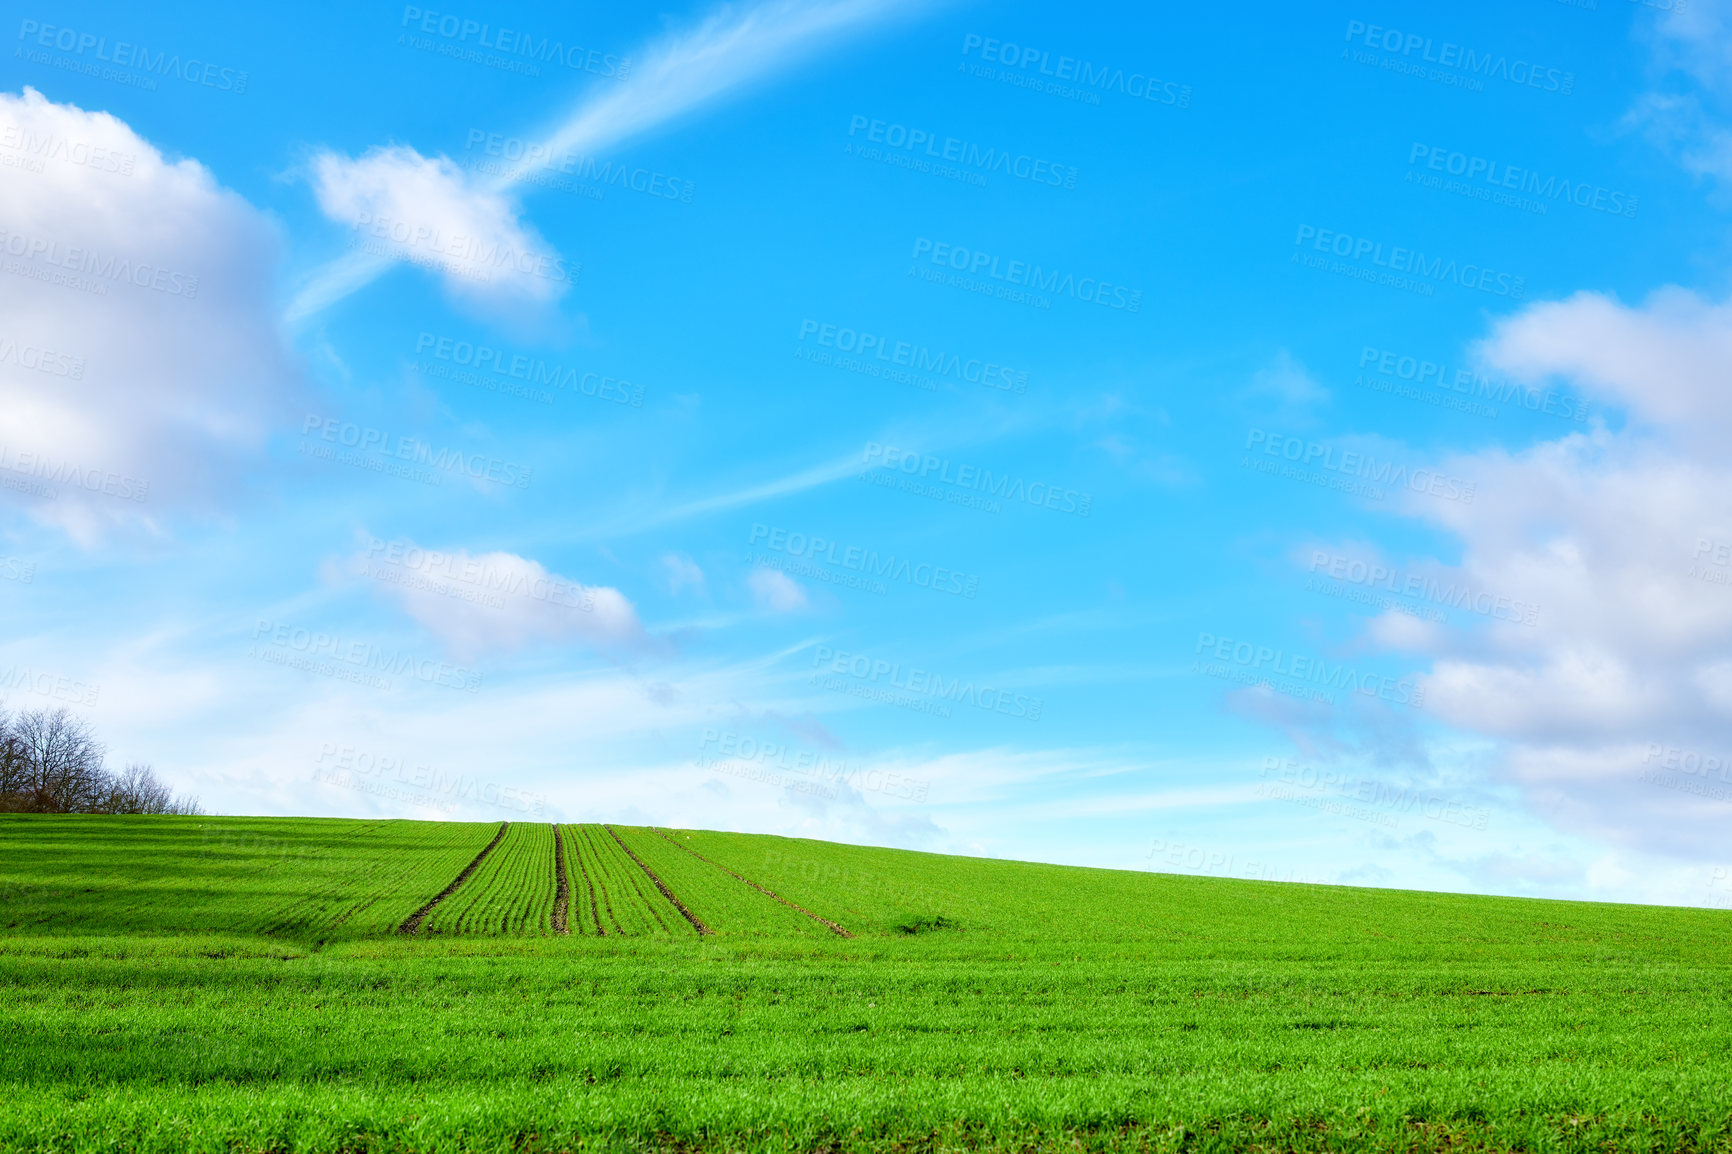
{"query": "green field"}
pixel 196 983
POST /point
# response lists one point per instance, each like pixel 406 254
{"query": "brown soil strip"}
pixel 756 886
pixel 562 888
pixel 412 923
pixel 666 893
pixel 646 905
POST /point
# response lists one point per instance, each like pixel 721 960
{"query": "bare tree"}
pixel 137 789
pixel 11 762
pixel 51 762
pixel 62 762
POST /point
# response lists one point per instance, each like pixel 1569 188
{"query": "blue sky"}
pixel 1264 442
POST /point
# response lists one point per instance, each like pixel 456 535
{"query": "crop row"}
pixel 625 902
pixel 723 902
pixel 374 880
pixel 324 879
pixel 511 892
pixel 1075 1008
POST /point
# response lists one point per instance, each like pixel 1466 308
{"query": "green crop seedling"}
pixel 188 983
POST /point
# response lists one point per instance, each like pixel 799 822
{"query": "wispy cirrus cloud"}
pixel 401 206
pixel 732 48
pixel 728 51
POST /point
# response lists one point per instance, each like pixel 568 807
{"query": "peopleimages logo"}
pixel 460 31
pixel 41 360
pixel 436 566
pixel 363 438
pixel 868 670
pixel 1137 85
pixel 365 659
pixel 1715 553
pixel 472 257
pixel 1263 661
pixel 916 357
pixel 103 266
pixel 1371 575
pixel 1689 761
pixel 40 466
pixel 971 477
pixel 127 55
pixel 55 685
pixel 1502 177
pixel 929 144
pixel 524 157
pixel 1360 470
pixel 422 777
pixel 813 548
pixel 41 146
pixel 1025 274
pixel 1463 61
pixel 1380 795
pixel 1420 371
pixel 532 371
pixel 1410 262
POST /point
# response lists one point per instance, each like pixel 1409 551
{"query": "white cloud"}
pixel 1696 38
pixel 1679 123
pixel 167 367
pixel 497 602
pixel 733 47
pixel 776 591
pixel 1686 112
pixel 644 518
pixel 1614 535
pixel 1669 362
pixel 1283 388
pixel 682 573
pixel 1624 538
pixel 400 205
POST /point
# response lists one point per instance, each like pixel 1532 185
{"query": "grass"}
pixel 981 1005
pixel 304 878
pixel 627 901
pixel 510 892
pixel 724 903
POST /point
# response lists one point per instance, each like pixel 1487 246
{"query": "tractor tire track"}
pixel 561 887
pixel 759 888
pixel 648 905
pixel 666 893
pixel 412 923
pixel 617 884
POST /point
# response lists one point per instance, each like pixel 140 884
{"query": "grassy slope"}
pixel 299 877
pixel 629 903
pixel 511 892
pixel 724 904
pixel 888 891
pixel 1130 1008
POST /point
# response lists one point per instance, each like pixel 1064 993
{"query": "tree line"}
pixel 51 762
